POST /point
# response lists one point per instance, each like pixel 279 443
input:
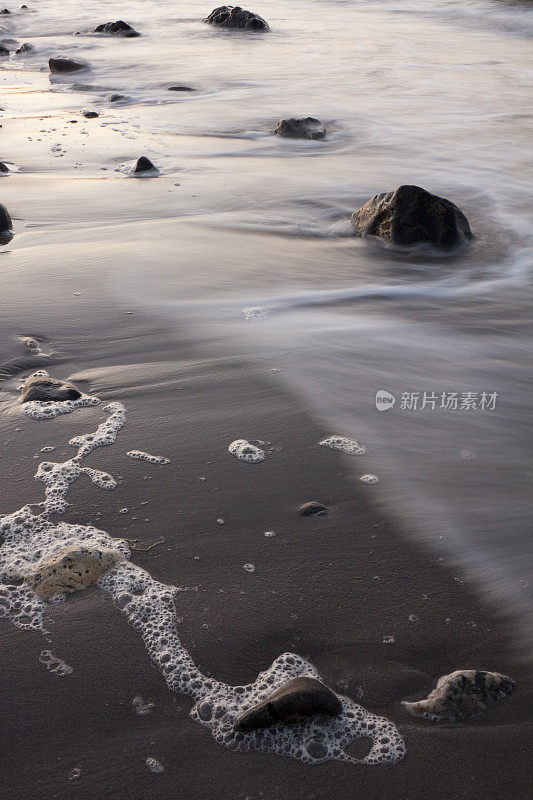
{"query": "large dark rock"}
pixel 118 28
pixel 5 219
pixel 91 114
pixel 143 165
pixel 237 18
pixel 306 128
pixel 3 50
pixel 297 699
pixel 65 65
pixel 3 167
pixel 45 389
pixel 411 215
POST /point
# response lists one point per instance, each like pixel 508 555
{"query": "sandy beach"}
pixel 223 299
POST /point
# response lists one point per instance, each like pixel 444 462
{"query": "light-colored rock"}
pixel 72 569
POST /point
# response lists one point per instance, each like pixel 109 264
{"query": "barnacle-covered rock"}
pixel 73 568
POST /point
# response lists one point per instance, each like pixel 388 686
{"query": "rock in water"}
pixel 236 17
pixel 462 694
pixel 143 165
pixel 410 215
pixel 4 168
pixel 6 232
pixel 118 28
pixel 297 699
pixel 179 88
pixel 91 114
pixel 46 389
pixel 3 50
pixel 65 65
pixel 313 507
pixel 5 11
pixel 72 569
pixel 24 48
pixel 306 128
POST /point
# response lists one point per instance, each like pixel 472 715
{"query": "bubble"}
pixel 54 664
pixel 139 455
pixel 388 639
pixel 255 313
pixel 344 444
pixel 141 707
pixel 154 765
pixel 369 478
pixel 249 567
pixel 245 451
pixel 270 534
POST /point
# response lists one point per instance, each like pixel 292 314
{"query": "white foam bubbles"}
pixel 55 665
pixel 244 451
pixel 139 455
pixel 344 444
pixel 256 313
pixel 369 478
pixel 154 765
pixel 46 409
pixel 141 706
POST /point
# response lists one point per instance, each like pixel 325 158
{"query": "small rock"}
pixel 5 11
pixel 410 215
pixel 297 699
pixel 114 98
pixel 179 88
pixel 313 507
pixel 462 694
pixel 307 128
pixel 24 48
pixel 3 50
pixel 119 28
pixel 143 165
pixel 6 225
pixel 65 65
pixel 72 569
pixel 3 167
pixel 237 18
pixel 91 114
pixel 46 389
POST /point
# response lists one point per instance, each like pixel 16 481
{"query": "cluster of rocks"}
pixel 22 49
pixel 236 18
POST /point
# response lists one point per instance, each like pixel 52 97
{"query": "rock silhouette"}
pixel 306 128
pixel 237 18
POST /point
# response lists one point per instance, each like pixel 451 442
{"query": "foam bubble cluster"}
pixel 46 409
pixel 255 313
pixel 369 478
pixel 154 765
pixel 349 446
pixel 245 451
pixel 140 456
pixel 54 664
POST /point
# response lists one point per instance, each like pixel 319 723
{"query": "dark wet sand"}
pixel 314 591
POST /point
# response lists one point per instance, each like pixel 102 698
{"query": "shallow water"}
pixel 431 93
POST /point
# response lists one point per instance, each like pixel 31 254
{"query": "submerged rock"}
pixel 462 694
pixel 143 165
pixel 3 50
pixel 119 28
pixel 72 569
pixel 410 215
pixel 297 699
pixel 313 507
pixel 305 128
pixel 91 114
pixel 115 98
pixel 179 88
pixel 236 17
pixel 65 65
pixel 24 48
pixel 47 389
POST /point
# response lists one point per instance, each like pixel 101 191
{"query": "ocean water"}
pixel 422 92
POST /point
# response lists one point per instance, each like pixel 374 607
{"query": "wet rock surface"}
pixel 62 65
pixel 304 128
pixel 6 225
pixel 237 18
pixel 411 215
pixel 462 694
pixel 118 28
pixel 91 114
pixel 3 50
pixel 26 47
pixel 312 507
pixel 3 168
pixel 72 569
pixel 48 389
pixel 298 699
pixel 179 88
pixel 143 165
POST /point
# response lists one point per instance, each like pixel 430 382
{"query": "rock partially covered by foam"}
pixel 72 569
pixel 462 694
pixel 297 699
pixel 236 17
pixel 118 28
pixel 45 389
pixel 409 216
pixel 6 225
pixel 144 165
pixel 62 65
pixel 244 451
pixel 306 128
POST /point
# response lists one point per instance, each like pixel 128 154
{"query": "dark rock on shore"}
pixel 3 168
pixel 237 18
pixel 24 48
pixel 462 694
pixel 143 165
pixel 3 50
pixel 91 114
pixel 178 88
pixel 411 215
pixel 119 28
pixel 65 65
pixel 306 128
pixel 5 11
pixel 115 98
pixel 45 389
pixel 313 507
pixel 297 699
pixel 6 224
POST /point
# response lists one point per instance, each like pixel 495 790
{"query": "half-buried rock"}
pixel 462 694
pixel 72 569
pixel 118 28
pixel 409 216
pixel 237 18
pixel 298 699
pixel 6 226
pixel 143 165
pixel 312 507
pixel 306 128
pixel 62 65
pixel 45 389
